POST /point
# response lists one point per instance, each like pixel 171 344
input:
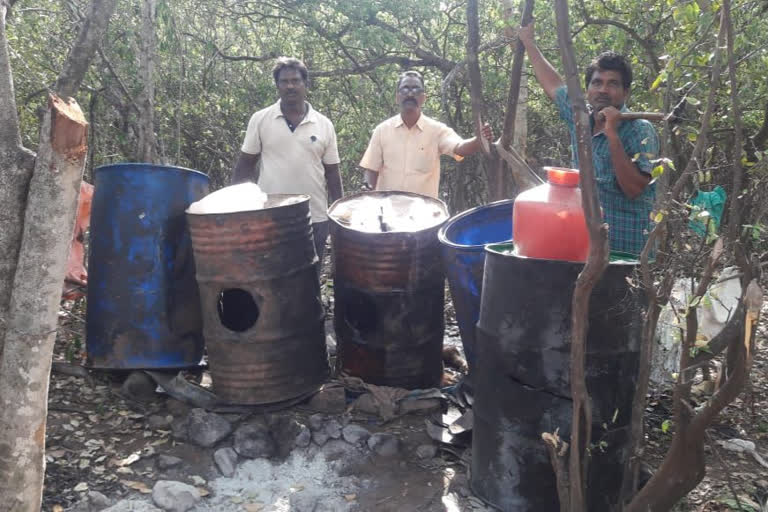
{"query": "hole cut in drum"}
pixel 237 310
pixel 360 312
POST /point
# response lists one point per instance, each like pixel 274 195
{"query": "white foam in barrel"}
pixel 242 197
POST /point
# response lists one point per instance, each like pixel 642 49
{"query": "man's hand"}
pixel 546 75
pixel 527 34
pixel 470 146
pixel 612 118
pixel 487 132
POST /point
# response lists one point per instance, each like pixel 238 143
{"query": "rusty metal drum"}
pixel 389 289
pixel 263 320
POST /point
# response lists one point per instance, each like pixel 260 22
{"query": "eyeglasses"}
pixel 415 89
pixel 283 82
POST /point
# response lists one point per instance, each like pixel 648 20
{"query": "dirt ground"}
pixel 99 439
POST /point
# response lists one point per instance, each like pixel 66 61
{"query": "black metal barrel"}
pixel 523 382
pixel 260 294
pixel 389 294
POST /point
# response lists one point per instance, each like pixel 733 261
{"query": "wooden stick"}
pixel 648 116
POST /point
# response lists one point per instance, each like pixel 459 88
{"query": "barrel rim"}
pixel 107 167
pixel 304 199
pixel 494 250
pixel 442 235
pixel 385 193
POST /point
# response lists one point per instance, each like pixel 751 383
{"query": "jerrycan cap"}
pixel 562 176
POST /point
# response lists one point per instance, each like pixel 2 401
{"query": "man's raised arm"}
pixel 549 79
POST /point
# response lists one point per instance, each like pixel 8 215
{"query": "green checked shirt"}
pixel 629 219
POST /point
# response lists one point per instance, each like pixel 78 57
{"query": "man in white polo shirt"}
pixel 290 148
pixel 404 151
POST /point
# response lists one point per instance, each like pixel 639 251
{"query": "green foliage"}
pixel 214 59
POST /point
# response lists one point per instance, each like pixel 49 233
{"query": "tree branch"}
pixel 10 135
pixel 88 39
pixel 644 42
pixel 359 69
pixel 120 83
pixel 760 139
pixel 508 131
pixel 475 80
pixel 734 213
pixel 597 261
pixel 441 63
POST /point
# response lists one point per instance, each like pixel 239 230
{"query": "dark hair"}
pixel 610 61
pixel 410 74
pixel 289 63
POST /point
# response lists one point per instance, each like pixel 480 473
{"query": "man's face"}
pixel 410 94
pixel 606 89
pixel 291 86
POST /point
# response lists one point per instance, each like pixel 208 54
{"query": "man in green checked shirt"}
pixel 621 150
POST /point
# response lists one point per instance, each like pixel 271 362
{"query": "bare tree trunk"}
pixel 16 165
pixel 40 202
pixel 146 127
pixel 33 310
pixel 16 162
pixel 597 261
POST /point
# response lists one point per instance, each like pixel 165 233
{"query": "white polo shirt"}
pixel 292 161
pixel 408 159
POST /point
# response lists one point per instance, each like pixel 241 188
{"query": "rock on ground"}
pixel 285 432
pixel 226 461
pixel 320 437
pixel 132 506
pixel 330 400
pixel 94 501
pixel 304 437
pixel 206 428
pixel 384 444
pixel 333 428
pixel 174 496
pixel 253 440
pixel 158 422
pixel 317 422
pixel 355 434
pixel 139 386
pixel 167 461
pixel 426 451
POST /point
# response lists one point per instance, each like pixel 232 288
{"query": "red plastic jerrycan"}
pixel 548 221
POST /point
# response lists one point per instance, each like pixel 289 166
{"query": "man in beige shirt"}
pixel 404 151
pixel 290 148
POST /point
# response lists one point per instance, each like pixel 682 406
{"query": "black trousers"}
pixel 320 233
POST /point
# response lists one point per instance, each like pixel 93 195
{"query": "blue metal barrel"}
pixel 143 301
pixel 463 239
